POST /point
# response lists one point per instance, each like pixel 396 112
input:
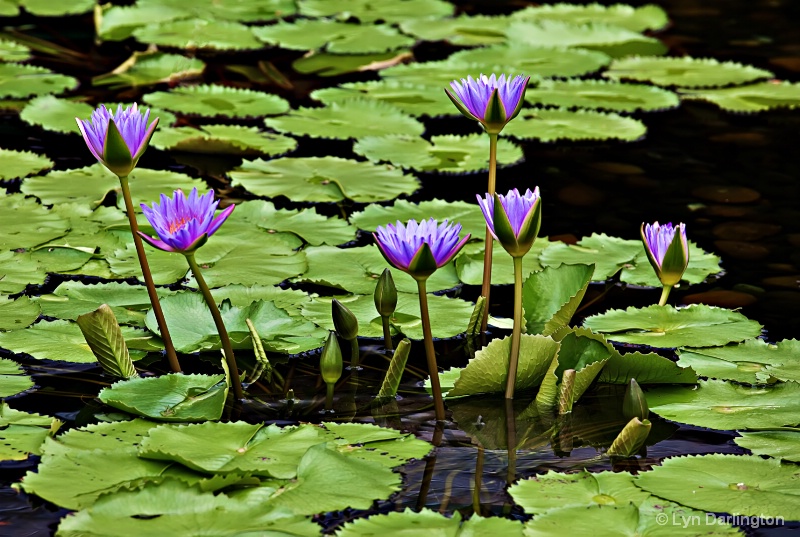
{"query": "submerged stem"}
pixel 488 242
pixel 664 295
pixel 329 397
pixel 148 278
pixel 516 334
pixel 355 354
pixel 433 369
pixel 223 333
pixel 387 334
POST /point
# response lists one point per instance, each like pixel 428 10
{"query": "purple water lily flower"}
pixel 491 100
pixel 516 228
pixel 184 224
pixel 118 140
pixel 669 256
pixel 420 249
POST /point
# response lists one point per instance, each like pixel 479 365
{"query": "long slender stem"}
pixel 329 397
pixel 387 334
pixel 664 295
pixel 433 369
pixel 223 333
pixel 355 354
pixel 516 333
pixel 476 490
pixel 511 441
pixel 488 242
pixel 148 278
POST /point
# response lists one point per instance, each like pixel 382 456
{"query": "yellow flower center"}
pixel 176 225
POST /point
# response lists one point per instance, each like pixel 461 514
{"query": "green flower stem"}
pixel 433 369
pixel 664 295
pixel 511 441
pixel 329 397
pixel 223 333
pixel 516 333
pixel 476 489
pixel 387 334
pixel 488 243
pixel 355 354
pixel 148 278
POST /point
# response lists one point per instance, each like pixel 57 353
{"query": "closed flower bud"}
pixel 634 404
pixel 385 294
pixel 630 440
pixel 514 219
pixel 667 249
pixel 344 321
pixel 330 361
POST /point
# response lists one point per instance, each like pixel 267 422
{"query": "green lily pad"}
pixel 581 350
pixel 444 154
pixel 290 300
pixel 148 68
pixel 635 19
pixel 357 270
pixel 173 397
pixel 469 263
pixel 779 444
pixel 116 23
pixel 555 490
pixel 610 39
pixel 739 485
pixel 535 61
pixel 753 361
pixel 367 11
pixel 17 314
pixel 17 164
pixel 758 97
pixel 223 140
pixel 110 436
pixel 550 125
pixel 18 442
pixel 551 296
pixel 49 8
pixel 487 372
pixel 323 179
pixel 325 64
pixel 307 224
pixel 377 444
pixel 174 508
pixel 449 316
pixel 13 379
pixel 218 101
pixel 26 224
pixel 334 36
pixel 18 81
pixel 722 405
pixel 409 523
pixel 11 51
pixel 412 99
pixel 192 326
pixel 649 368
pixel 463 30
pixel 469 215
pixel 664 326
pixel 198 34
pixel 18 270
pixel 602 95
pixel 684 72
pixel 356 118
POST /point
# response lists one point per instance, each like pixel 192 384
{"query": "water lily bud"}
pixel 330 361
pixel 667 249
pixel 630 439
pixel 492 101
pixel 634 404
pixel 344 320
pixel 385 294
pixel 514 219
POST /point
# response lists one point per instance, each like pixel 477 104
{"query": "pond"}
pixel 316 123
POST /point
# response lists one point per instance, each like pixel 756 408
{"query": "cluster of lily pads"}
pixel 162 460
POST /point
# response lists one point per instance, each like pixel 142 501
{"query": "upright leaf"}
pixel 104 337
pixel 395 372
pixel 551 296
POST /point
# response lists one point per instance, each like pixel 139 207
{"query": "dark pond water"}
pixel 694 161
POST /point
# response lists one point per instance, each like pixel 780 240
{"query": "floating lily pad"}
pixel 307 224
pixel 449 316
pixel 18 270
pixel 463 30
pixel 325 64
pixel 109 436
pixel 610 39
pixel 753 361
pixel 11 51
pixel 13 379
pixel 223 140
pixel 22 434
pixel 550 125
pixel 412 99
pixel 192 326
pixel 388 447
pixel 49 8
pixel 469 263
pixel 444 154
pixel 664 326
pixel 684 72
pixel 19 80
pixel 779 444
pixel 735 484
pixel 649 368
pixel 25 223
pixel 148 68
pixel 17 314
pixel 214 101
pixel 535 61
pixel 173 397
pixel 551 296
pixel 199 34
pixel 357 270
pixel 323 179
pixel 408 523
pixel 602 95
pixel 753 98
pixel 636 19
pixel 368 11
pixel 723 405
pixel 356 118
pixel 469 215
pixel 290 300
pixel 334 36
pixel 436 76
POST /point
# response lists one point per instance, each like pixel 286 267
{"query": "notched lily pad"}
pixel 18 81
pixel 601 95
pixel 368 11
pixel 326 64
pixel 148 68
pixel 11 51
pixel 684 72
pixel 550 125
pixel 215 101
pixel 534 61
pixel 17 314
pixel 199 33
pixel 223 140
pixel 409 522
pixel 17 164
pixel 750 99
pixel 307 224
pixel 754 361
pixel 636 19
pixel 412 99
pixel 13 380
pixel 779 444
pixel 463 30
pixel 333 36
pixel 469 215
